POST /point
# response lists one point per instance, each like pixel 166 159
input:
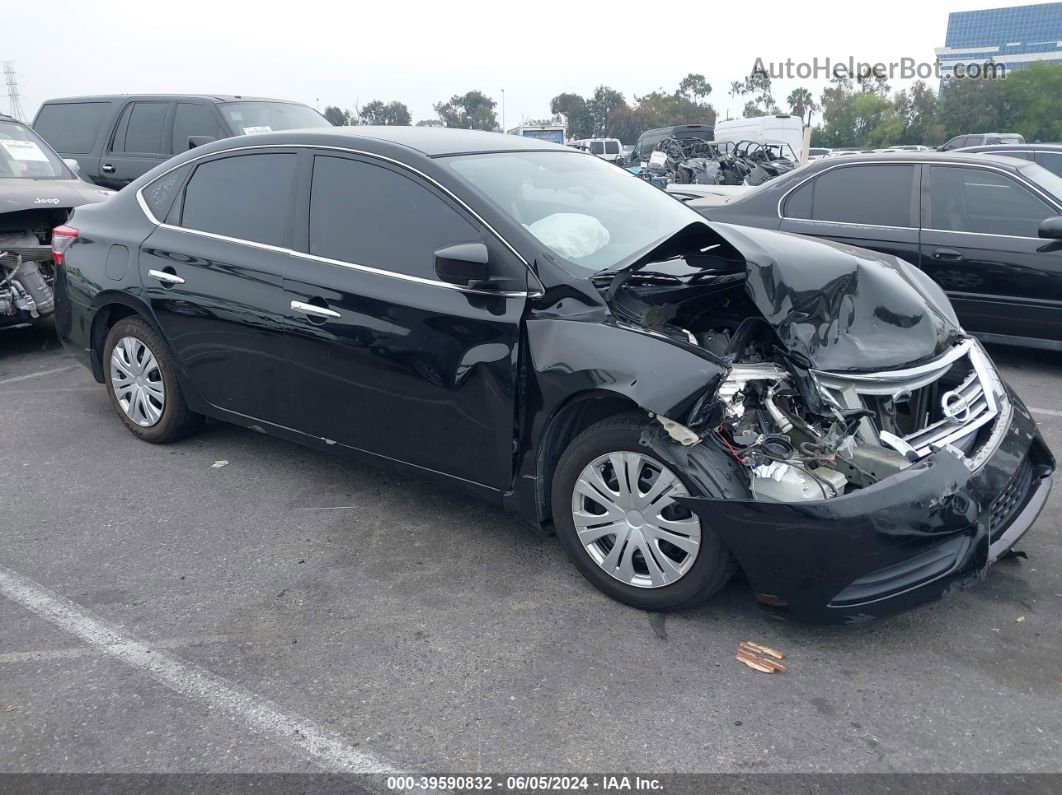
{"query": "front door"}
pixel 214 276
pixel 980 243
pixel 384 357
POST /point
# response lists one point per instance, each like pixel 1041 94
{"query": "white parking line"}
pixel 256 713
pixel 1048 412
pixel 38 375
pixel 45 655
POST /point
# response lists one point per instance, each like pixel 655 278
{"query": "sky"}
pixel 350 53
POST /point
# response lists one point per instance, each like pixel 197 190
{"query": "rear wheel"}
pixel 142 383
pixel 617 516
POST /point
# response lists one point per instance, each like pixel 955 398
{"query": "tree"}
pixel 604 101
pixel 430 123
pixel 391 113
pixel 968 105
pixel 471 111
pixel 757 86
pixel 337 116
pixel 1032 102
pixel 802 103
pixel 694 87
pixel 573 108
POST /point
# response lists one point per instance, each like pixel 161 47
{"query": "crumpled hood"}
pixel 841 307
pixel 44 194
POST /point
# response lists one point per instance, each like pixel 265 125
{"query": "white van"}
pixel 606 148
pixel 776 129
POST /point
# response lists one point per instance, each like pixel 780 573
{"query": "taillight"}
pixel 62 237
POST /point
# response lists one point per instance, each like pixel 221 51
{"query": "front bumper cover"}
pixel 929 530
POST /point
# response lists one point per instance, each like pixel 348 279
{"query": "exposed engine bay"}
pixel 798 430
pixel 27 272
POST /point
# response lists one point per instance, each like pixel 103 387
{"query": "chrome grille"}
pixel 951 397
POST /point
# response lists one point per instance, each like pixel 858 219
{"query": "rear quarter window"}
pixel 72 127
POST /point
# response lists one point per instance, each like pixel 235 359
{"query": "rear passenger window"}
pixel 159 195
pixel 71 127
pixel 247 197
pixel 612 147
pixel 871 195
pixel 140 129
pixel 369 215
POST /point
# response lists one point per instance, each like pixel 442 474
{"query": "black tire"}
pixel 712 567
pixel 176 420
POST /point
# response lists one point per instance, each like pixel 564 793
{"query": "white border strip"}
pixel 256 713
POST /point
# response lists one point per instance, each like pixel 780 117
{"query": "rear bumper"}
pixel 925 532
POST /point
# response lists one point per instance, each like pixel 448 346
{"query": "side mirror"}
pixel 465 264
pixel 1051 228
pixel 73 165
pixel 199 140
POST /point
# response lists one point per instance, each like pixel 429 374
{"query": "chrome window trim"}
pixel 305 255
pixel 1051 202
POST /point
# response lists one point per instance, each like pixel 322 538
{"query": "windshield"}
pixel 23 155
pixel 1048 181
pixel 581 208
pixel 248 118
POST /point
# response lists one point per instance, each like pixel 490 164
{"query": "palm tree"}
pixel 802 103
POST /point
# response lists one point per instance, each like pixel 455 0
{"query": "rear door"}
pixel 139 142
pixel 980 243
pixel 74 129
pixel 213 274
pixel 874 206
pixel 386 358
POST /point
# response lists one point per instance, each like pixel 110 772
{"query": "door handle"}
pixel 313 309
pixel 948 255
pixel 166 278
pixel 107 168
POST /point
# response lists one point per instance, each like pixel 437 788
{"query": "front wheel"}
pixel 616 515
pixel 142 383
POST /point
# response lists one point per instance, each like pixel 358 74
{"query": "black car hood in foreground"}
pixel 833 306
pixel 43 194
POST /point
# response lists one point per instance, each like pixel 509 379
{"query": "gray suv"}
pixel 115 139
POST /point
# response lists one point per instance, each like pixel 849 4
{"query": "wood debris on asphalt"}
pixel 759 657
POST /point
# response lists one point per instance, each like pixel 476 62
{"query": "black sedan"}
pixel 985 228
pixel 1047 155
pixel 536 327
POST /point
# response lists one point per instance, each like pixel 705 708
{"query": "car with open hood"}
pixel 37 192
pixel 519 320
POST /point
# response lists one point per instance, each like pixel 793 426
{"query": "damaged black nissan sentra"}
pixel 530 324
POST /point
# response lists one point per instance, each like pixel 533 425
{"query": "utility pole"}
pixel 15 105
pixel 503 111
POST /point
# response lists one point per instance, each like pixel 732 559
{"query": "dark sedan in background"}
pixel 1047 155
pixel 985 228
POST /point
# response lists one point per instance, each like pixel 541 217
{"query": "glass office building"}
pixel 1014 37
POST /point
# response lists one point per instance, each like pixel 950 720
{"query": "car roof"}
pixel 430 141
pixel 1026 147
pixel 208 97
pixel 955 156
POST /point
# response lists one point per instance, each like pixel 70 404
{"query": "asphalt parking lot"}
pixel 307 613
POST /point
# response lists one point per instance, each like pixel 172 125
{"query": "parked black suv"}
pixel 982 227
pixel 117 138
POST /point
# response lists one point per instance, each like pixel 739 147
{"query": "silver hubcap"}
pixel 629 523
pixel 137 381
